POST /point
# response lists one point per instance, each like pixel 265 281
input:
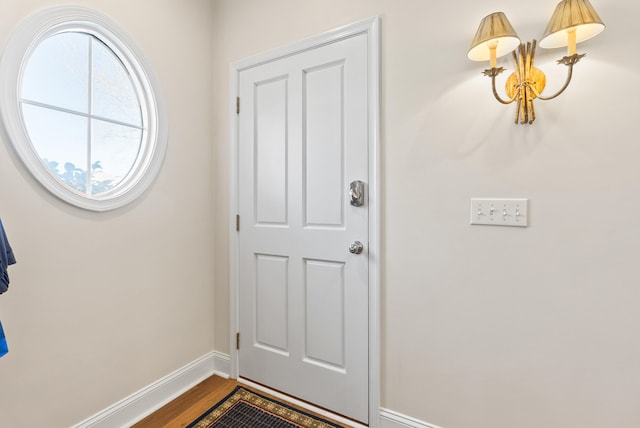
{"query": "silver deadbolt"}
pixel 356 191
pixel 356 247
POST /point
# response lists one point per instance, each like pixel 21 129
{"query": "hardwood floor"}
pixel 193 403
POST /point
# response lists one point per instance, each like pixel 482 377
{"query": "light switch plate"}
pixel 500 212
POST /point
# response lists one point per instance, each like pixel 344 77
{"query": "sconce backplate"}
pixel 533 77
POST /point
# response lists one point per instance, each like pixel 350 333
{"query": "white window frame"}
pixel 23 41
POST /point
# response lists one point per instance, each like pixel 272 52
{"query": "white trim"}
pixel 141 404
pixel 375 207
pixel 150 398
pixel 234 209
pixel 347 31
pixel 303 404
pixel 371 27
pixel 21 44
pixel 221 365
pixel 391 419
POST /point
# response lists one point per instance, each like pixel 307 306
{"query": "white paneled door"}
pixel 303 296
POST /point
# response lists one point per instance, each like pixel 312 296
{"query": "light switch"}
pixel 500 212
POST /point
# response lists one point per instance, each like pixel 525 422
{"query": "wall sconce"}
pixel 572 22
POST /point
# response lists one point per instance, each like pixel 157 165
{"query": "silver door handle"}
pixel 356 191
pixel 356 247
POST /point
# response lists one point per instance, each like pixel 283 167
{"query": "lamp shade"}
pixel 571 14
pixel 493 28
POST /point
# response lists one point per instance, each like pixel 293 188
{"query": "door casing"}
pixel 371 27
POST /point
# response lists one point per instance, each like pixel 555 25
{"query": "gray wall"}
pixel 482 327
pixel 486 327
pixel 103 304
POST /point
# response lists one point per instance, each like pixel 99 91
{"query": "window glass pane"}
pixel 57 73
pixel 114 150
pixel 61 142
pixel 113 94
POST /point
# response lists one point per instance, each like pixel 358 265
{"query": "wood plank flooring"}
pixel 193 403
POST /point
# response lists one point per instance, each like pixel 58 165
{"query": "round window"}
pixel 80 108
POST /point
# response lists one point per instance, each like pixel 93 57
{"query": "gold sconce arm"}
pixel 569 61
pixel 493 72
pixel 527 82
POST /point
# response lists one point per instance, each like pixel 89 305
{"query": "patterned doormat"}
pixel 247 409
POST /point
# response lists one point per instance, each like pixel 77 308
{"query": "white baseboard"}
pixel 149 399
pixel 221 364
pixel 391 419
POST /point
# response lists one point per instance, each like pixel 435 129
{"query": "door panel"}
pixel 325 331
pixel 324 145
pixel 271 310
pixel 303 297
pixel 271 151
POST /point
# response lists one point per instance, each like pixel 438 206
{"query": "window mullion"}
pixel 80 113
pixel 90 111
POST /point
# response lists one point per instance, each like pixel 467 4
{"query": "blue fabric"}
pixel 6 259
pixel 3 342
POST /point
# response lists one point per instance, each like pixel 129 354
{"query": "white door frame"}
pixel 370 27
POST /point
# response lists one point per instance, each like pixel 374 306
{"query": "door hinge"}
pixel 238 223
pixel 237 105
pixel 238 340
